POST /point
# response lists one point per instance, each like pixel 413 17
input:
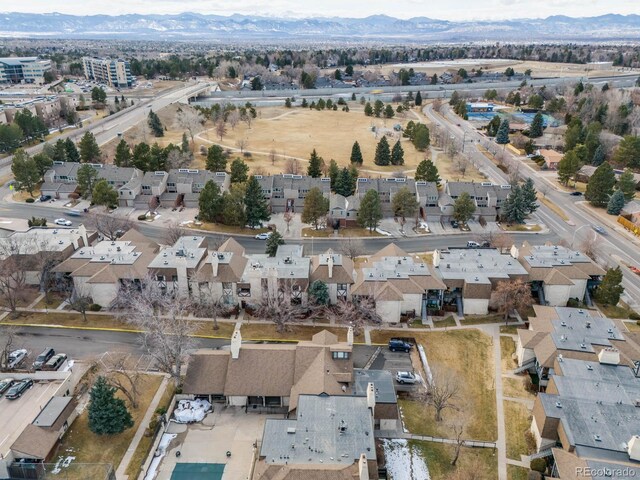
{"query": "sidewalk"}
pixel 124 463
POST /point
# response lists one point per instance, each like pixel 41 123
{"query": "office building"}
pixel 115 73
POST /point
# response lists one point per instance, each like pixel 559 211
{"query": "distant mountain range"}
pixel 241 27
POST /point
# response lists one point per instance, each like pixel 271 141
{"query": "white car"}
pixel 263 236
pixel 63 221
pixel 17 357
pixel 406 377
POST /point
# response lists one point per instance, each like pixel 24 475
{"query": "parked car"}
pixel 599 229
pixel 5 384
pixel 74 213
pixel 43 358
pixel 635 270
pixel 45 198
pixel 472 244
pixel 406 377
pixel 263 236
pixel 17 357
pixel 395 344
pixel 63 221
pixel 55 362
pixel 18 388
pixel 576 194
pixel 454 223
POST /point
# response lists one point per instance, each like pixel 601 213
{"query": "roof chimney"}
pixel 633 448
pixel 214 264
pixel 350 336
pixel 436 258
pixel 330 266
pixel 610 356
pixel 371 397
pixel 236 342
pixel 363 468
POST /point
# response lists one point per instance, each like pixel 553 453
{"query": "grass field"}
pixel 616 311
pixel 632 326
pixel 482 461
pixel 448 171
pixel 517 473
pixel 88 447
pixel 517 420
pixel 507 349
pixel 514 388
pixel 258 331
pixel 481 319
pixel 445 322
pixel 468 355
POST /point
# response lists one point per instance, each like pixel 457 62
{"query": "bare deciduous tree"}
pixel 273 156
pixel 177 159
pixel 173 233
pixel 441 391
pixel 242 143
pixel 544 188
pixel 279 307
pixel 79 303
pixel 288 218
pixel 461 162
pixel 355 314
pixel 233 118
pixel 292 166
pixel 191 120
pixel 221 129
pixel 167 334
pixel 110 227
pixel 13 271
pixel 351 247
pixel 497 239
pixel 121 371
pixel 511 295
pixel 8 338
pixel 590 246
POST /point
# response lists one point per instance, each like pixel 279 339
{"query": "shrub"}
pixel 74 196
pixel 634 316
pixel 247 154
pixel 573 303
pixel 538 465
pixel 142 217
pixel 94 307
pixel 161 410
pixel 30 200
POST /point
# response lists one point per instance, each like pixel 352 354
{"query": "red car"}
pixel 635 270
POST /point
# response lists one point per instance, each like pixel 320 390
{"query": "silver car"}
pixel 406 377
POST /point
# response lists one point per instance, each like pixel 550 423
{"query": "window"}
pixel 340 355
pixel 174 278
pixel 146 187
pixel 160 278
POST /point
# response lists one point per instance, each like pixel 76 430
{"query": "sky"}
pixel 439 9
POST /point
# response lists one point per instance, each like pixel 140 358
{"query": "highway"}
pixel 610 248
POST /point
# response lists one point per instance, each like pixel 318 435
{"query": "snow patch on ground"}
pixel 404 461
pixel 63 462
pixel 159 454
pixel 383 232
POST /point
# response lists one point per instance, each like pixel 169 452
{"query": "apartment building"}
pixel 336 271
pixel 115 73
pixel 487 197
pixel 174 268
pixel 286 192
pixel 222 271
pixel 23 69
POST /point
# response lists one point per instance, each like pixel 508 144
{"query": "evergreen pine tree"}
pixel 383 154
pixel 72 152
pixel 356 154
pixel 155 124
pixel 334 173
pixel 421 139
pixel 239 171
pixel 529 196
pixel 370 211
pixel 515 207
pixel 418 99
pixel 502 137
pixel 59 151
pixel 104 194
pixel 89 149
pixel 319 293
pixel 315 165
pixel 428 172
pixel 344 183
pixel 273 242
pixel 123 155
pixel 87 177
pixel 184 146
pixel 600 186
pixel 627 183
pixel 455 98
pixel 353 174
pixel 210 202
pixel 568 166
pixel 397 154
pixel 216 159
pixel 598 156
pixel 368 109
pixel 315 208
pixel 616 203
pixel 535 130
pixel 108 415
pixel 256 207
pixel 611 288
pixel 463 208
pixel 388 111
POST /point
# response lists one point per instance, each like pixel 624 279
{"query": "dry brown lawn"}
pixel 507 349
pixel 449 171
pixel 515 388
pixel 267 331
pixel 517 420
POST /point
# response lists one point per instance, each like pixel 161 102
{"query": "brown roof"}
pixel 231 245
pixel 590 268
pixel 545 351
pixel 529 338
pixel 265 471
pixel 207 372
pixel 35 442
pixel 340 273
pixel 391 250
pixel 261 370
pixel 569 464
pixel 134 236
pixel 555 277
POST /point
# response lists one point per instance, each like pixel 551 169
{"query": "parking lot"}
pixel 15 415
pixel 385 359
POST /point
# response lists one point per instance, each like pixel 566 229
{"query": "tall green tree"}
pixel 315 165
pixel 537 124
pixel 397 154
pixel 568 167
pixel 378 106
pixel 428 172
pixel 73 155
pixel 31 125
pixel 210 202
pixel 616 203
pixel 368 109
pixel 383 153
pixel 87 178
pixel 388 111
pixel 628 152
pixel 256 207
pixel 421 139
pixel 627 183
pixel 515 207
pixel 141 157
pixel 610 290
pixel 463 208
pixel 104 194
pixel 600 186
pixel 43 162
pixel 356 154
pixel 108 415
pixel 592 139
pixel 98 95
pixel 216 159
pixel 334 173
pixel 529 196
pixel 89 149
pixel 598 156
pixel 25 172
pixel 233 206
pixel 574 134
pixel 418 100
pixel 157 158
pixel 184 145
pixel 493 126
pixel 155 124
pixel 316 206
pixel 370 211
pixel 123 155
pixel 59 151
pixel 344 183
pixel 502 137
pixel 239 171
pixel 404 205
pixel 319 293
pixel 11 137
pixel 273 242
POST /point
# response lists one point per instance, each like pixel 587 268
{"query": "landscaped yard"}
pixel 632 326
pixel 54 301
pixel 515 388
pixel 342 232
pixel 88 447
pixel 517 420
pixel 468 356
pixel 510 329
pixel 482 461
pixel 445 322
pixel 517 473
pixel 267 331
pixel 481 319
pixel 616 311
pixel 507 349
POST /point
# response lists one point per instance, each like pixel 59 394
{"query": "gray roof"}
pixel 191 176
pixel 426 190
pixel 553 256
pixel 154 178
pixel 477 265
pixel 478 190
pixel 383 383
pixel 315 436
pixel 51 411
pixel 188 251
pixel 577 330
pixel 300 182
